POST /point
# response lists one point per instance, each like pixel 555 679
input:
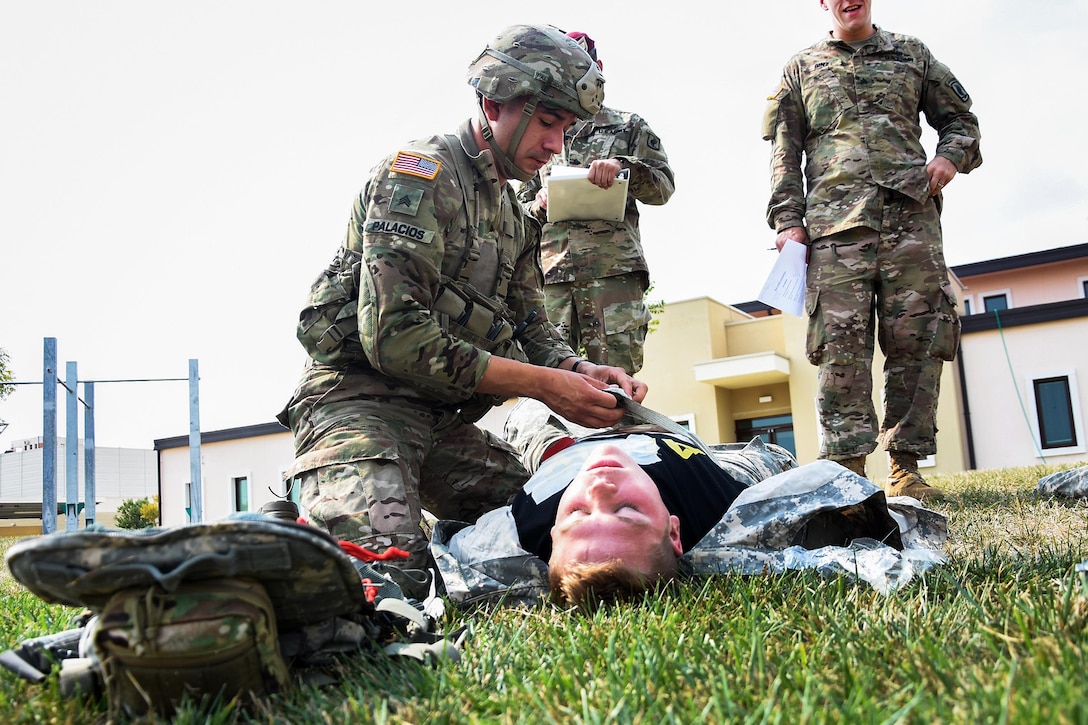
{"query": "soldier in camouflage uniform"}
pixel 432 312
pixel 595 271
pixel 850 105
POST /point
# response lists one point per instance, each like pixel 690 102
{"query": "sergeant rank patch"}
pixel 406 199
pixel 416 165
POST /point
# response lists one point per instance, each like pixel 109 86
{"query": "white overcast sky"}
pixel 174 174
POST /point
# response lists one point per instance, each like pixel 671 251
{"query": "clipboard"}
pixel 571 196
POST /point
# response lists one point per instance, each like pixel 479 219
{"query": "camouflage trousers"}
pixel 605 319
pixel 889 284
pixel 378 461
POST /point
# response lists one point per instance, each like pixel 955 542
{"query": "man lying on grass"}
pixel 617 512
pixel 613 527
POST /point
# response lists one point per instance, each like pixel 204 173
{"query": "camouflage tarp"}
pixel 776 525
pixel 1072 483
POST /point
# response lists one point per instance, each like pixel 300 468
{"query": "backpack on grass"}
pixel 234 609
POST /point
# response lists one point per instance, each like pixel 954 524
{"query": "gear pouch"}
pixel 207 639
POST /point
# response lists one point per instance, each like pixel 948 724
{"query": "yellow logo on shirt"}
pixel 681 449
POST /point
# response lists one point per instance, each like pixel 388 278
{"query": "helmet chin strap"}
pixel 506 160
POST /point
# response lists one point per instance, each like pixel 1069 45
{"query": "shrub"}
pixel 138 513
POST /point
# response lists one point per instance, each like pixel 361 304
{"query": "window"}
pixel 241 493
pixel 966 305
pixel 685 421
pixel 995 302
pixel 189 501
pixel 777 429
pixel 1084 286
pixel 1054 408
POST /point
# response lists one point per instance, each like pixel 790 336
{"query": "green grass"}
pixel 997 635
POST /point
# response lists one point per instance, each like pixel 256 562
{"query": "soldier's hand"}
pixel 577 397
pixel 792 234
pixel 580 398
pixel 940 171
pixel 602 172
pixel 614 376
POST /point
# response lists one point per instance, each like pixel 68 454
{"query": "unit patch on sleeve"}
pixel 959 90
pixel 406 200
pixel 416 165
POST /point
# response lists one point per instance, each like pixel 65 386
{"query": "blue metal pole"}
pixel 88 455
pixel 71 448
pixel 49 436
pixel 196 483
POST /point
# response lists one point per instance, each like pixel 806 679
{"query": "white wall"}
pixel 261 459
pixel 120 474
pixel 1000 366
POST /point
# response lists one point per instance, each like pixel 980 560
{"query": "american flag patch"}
pixel 416 165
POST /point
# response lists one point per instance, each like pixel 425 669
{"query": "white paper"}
pixel 571 195
pixel 785 285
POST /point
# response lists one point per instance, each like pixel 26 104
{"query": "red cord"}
pixel 352 549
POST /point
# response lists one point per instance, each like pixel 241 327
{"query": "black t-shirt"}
pixel 692 485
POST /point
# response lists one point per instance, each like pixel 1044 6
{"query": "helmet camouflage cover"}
pixel 539 61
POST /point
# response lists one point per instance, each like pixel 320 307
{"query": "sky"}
pixel 173 175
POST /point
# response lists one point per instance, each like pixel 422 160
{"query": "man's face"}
pixel 852 19
pixel 543 137
pixel 612 510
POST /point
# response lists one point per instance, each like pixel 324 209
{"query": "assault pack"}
pixel 238 608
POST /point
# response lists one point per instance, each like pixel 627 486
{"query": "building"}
pixel 243 469
pixel 1024 348
pixel 120 474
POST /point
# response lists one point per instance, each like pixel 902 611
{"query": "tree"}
pixel 656 307
pixel 5 377
pixel 137 513
pixel 5 374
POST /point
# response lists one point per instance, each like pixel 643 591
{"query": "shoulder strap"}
pixel 463 270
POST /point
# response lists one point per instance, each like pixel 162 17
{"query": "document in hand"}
pixel 785 285
pixel 571 195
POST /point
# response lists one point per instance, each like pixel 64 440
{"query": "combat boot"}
pixel 905 480
pixel 854 463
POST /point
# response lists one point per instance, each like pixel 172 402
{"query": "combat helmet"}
pixel 541 62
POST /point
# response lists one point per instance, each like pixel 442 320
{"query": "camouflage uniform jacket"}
pixel 408 223
pixel 586 250
pixel 855 117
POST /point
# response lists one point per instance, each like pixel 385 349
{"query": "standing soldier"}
pixel 595 272
pixel 850 104
pixel 432 312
